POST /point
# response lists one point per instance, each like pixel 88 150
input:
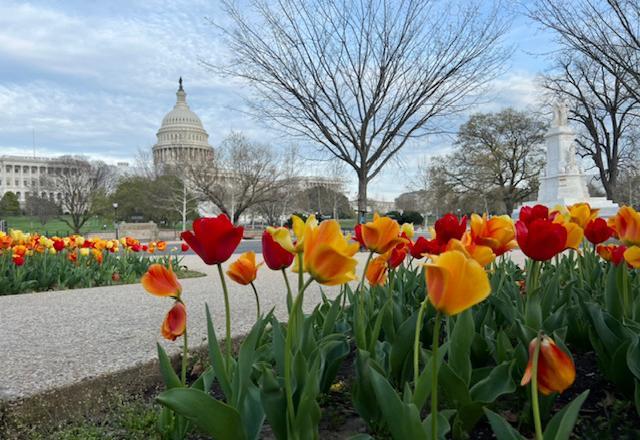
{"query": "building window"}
pixel 8 168
pixel 26 182
pixel 34 170
pixel 18 195
pixel 25 169
pixel 17 182
pixel 16 169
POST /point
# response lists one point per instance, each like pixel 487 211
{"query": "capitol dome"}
pixel 181 137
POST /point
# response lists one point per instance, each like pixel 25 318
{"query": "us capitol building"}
pixel 181 136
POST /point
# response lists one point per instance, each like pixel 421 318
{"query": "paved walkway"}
pixel 52 339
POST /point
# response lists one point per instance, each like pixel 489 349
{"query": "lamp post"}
pixel 115 217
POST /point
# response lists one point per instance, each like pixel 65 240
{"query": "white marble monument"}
pixel 563 182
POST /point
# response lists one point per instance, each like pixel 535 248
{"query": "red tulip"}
pixel 275 256
pixel 612 253
pixel 528 214
pixel 541 239
pixel 18 260
pixel 448 227
pixel 556 370
pixel 423 246
pixel 397 256
pixel 175 323
pixel 213 238
pixel 58 244
pixel 597 231
pixel 358 235
pixel 184 247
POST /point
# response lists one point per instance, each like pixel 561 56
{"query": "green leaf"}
pixel 460 345
pixel 169 376
pixel 215 357
pixel 453 386
pixel 561 425
pixel 330 320
pixel 501 428
pixel 636 395
pixel 633 357
pixel 216 418
pixel 498 382
pixel 274 403
pixel 403 420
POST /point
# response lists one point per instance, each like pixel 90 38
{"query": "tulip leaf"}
pixel 361 437
pixel 497 383
pixel 636 395
pixel 633 357
pixel 216 418
pixel 274 403
pixel 206 379
pixel 460 345
pixel 215 357
pixel 330 320
pixel 169 376
pixel 501 428
pixel 402 345
pixel 561 425
pixel 403 420
pixel 453 386
pixel 443 424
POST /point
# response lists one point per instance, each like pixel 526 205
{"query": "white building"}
pixel 181 136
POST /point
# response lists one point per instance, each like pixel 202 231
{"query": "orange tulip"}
pixel 175 323
pixel 632 256
pixel 328 255
pixel 161 281
pixel 581 214
pixel 626 223
pixel 482 254
pixel 498 232
pixel 244 270
pixel 97 255
pixel 575 233
pixel 382 234
pixel 455 282
pixel 556 371
pixel 377 271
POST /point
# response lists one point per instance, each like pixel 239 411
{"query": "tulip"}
pixel 161 245
pixel 406 230
pixel 455 282
pixel 161 281
pixel 556 371
pixel 377 271
pixel 381 235
pixel 423 247
pixel 582 213
pixel 498 232
pixel 328 256
pixel 58 244
pixel 184 247
pixel 244 270
pixel 530 213
pixel 448 227
pixel 214 239
pixel 482 254
pixel 612 253
pixel 275 256
pixel 358 234
pixel 632 256
pixel 18 260
pixel 97 255
pixel 597 231
pixel 627 226
pixel 175 323
pixel 85 252
pixel 300 227
pixel 575 234
pixel 541 239
pixel 397 256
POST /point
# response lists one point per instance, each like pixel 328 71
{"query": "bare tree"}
pixel 79 183
pixel 498 156
pixel 360 79
pixel 605 110
pixel 606 32
pixel 243 175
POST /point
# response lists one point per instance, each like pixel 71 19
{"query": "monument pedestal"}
pixel 563 182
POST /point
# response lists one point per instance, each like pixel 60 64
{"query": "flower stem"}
pixel 416 343
pixel 289 298
pixel 300 273
pixel 185 358
pixel 294 314
pixel 227 314
pixel 534 389
pixel 255 293
pixel 360 331
pixel 434 378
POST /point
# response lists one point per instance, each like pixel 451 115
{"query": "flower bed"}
pixel 32 262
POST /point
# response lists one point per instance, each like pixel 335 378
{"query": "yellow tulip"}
pixel 283 236
pixel 575 234
pixel 381 235
pixel 482 254
pixel 582 213
pixel 328 255
pixel 632 256
pixel 455 282
pixel 407 229
pixel 627 226
pixel 85 251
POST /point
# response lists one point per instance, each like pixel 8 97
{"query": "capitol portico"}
pixel 181 136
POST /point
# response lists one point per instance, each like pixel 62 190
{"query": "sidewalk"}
pixel 53 339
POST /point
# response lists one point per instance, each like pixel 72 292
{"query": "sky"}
pixel 96 78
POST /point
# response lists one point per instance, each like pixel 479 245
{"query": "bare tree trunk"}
pixel 184 206
pixel 362 198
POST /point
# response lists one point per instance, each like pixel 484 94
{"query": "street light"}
pixel 115 217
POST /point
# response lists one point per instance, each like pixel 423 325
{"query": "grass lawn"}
pixel 55 226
